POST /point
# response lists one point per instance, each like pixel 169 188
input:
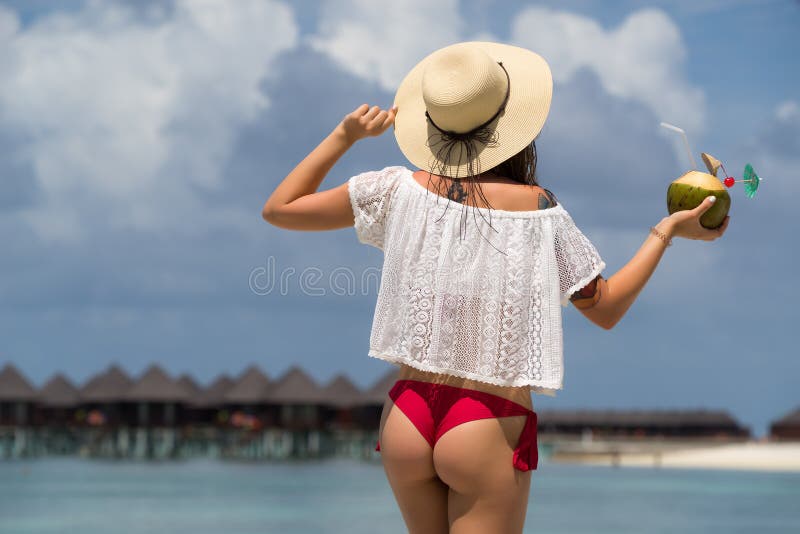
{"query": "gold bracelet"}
pixel 661 235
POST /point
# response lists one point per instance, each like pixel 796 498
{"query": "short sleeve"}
pixel 370 197
pixel 578 260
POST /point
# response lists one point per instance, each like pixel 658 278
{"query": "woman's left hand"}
pixel 366 121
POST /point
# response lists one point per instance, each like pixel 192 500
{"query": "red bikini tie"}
pixel 526 455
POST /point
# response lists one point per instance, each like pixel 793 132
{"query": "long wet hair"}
pixel 520 167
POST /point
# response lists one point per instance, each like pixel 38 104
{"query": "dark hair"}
pixel 521 167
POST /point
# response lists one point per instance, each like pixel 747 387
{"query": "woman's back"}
pixel 472 292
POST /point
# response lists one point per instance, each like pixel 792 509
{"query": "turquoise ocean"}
pixel 89 496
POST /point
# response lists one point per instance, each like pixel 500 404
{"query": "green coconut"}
pixel 688 191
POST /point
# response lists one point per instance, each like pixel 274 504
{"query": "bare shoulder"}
pixel 522 197
pixel 545 198
pixel 501 193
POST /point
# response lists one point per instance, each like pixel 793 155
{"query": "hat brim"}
pixel 526 111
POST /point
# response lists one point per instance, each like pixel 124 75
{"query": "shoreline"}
pixel 770 456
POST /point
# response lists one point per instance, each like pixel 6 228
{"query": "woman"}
pixel 478 261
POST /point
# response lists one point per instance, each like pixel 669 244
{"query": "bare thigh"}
pixel 408 462
pixel 487 494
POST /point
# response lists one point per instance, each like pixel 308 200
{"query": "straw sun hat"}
pixel 470 106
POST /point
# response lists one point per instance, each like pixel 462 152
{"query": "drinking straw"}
pixel 685 141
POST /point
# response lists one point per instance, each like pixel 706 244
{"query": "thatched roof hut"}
pixel 342 393
pixel 377 393
pixel 108 386
pixel 296 387
pixel 156 386
pixel 59 392
pixel 251 387
pixel 213 395
pixel 787 427
pixel 14 387
pixel 186 382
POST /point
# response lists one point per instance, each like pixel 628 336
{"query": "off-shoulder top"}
pixel 484 304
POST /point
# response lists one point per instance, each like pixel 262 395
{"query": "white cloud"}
pixel 124 116
pixel 380 42
pixel 788 110
pixel 642 59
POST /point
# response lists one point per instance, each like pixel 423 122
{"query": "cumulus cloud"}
pixel 380 43
pixel 642 59
pixel 124 116
pixel 774 150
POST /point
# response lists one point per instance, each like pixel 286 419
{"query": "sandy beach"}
pixel 754 456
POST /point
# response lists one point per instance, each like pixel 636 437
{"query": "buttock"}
pixel 436 408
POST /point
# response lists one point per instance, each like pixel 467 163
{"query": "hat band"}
pixel 456 135
pixel 452 146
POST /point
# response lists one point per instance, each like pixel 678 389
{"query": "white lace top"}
pixel 478 309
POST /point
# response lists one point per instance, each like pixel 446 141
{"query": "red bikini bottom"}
pixel 436 408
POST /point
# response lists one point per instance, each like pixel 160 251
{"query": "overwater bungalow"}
pixel 152 412
pixel 155 399
pixel 17 397
pixel 274 419
pixel 56 410
pixel 641 423
pixel 298 399
pixel 103 397
pixel 343 404
pixel 17 403
pixel 57 402
pixel 244 404
pixel 206 407
pixel 787 427
pixel 188 412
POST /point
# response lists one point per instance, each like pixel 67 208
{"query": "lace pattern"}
pixel 369 197
pixel 488 311
pixel 578 260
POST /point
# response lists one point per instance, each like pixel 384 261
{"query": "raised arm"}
pixel 296 205
pixel 605 302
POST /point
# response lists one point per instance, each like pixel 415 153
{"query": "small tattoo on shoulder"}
pixel 551 196
pixel 456 192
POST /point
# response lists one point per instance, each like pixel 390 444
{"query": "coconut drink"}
pixel 689 191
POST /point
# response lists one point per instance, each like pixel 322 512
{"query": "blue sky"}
pixel 138 142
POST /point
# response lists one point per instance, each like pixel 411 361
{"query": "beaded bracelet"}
pixel 662 236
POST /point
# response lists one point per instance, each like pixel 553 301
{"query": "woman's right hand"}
pixel 686 223
pixel 366 121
